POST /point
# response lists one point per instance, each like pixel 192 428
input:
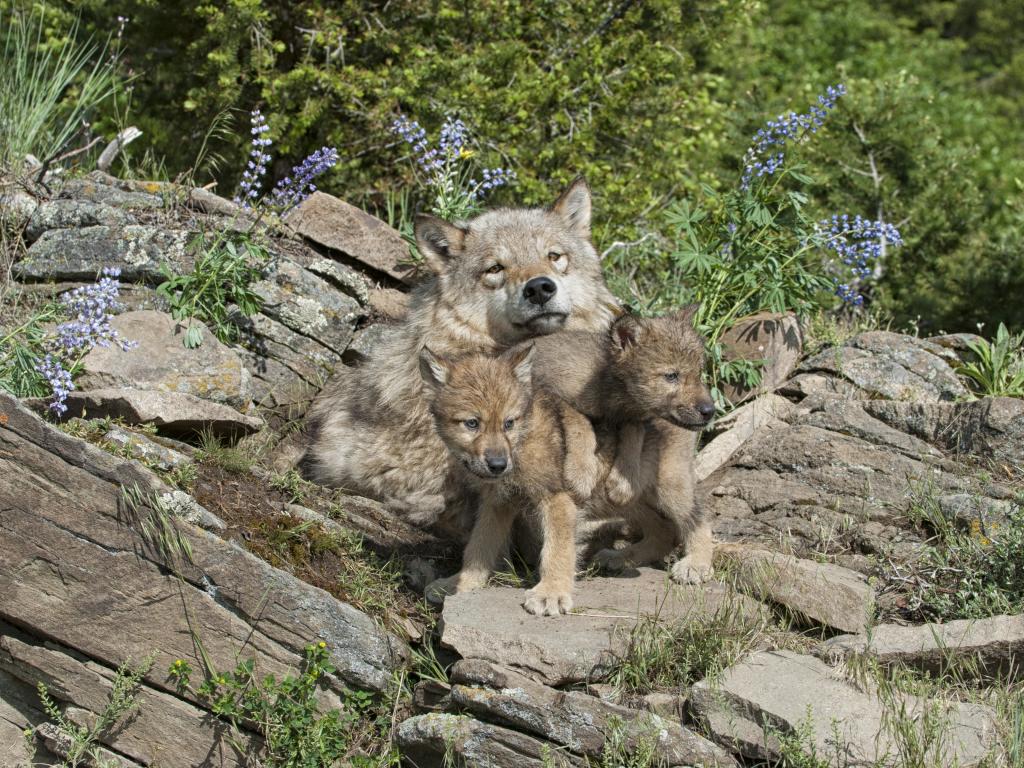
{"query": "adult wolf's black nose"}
pixel 706 409
pixel 496 464
pixel 539 290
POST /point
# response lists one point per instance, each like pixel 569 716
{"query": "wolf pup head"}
pixel 516 273
pixel 659 362
pixel 480 406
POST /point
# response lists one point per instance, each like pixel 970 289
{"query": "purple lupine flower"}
pixel 89 310
pixel 292 190
pixel 249 186
pixel 858 242
pixel 492 179
pixel 428 158
pixel 765 155
pixel 59 380
pixel 453 136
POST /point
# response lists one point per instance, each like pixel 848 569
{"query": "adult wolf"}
pixel 500 278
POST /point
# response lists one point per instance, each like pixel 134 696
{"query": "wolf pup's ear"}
pixel 521 360
pixel 687 316
pixel 573 206
pixel 434 370
pixel 437 240
pixel 627 331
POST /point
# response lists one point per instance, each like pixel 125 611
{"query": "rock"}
pixel 307 358
pixel 20 710
pixel 161 362
pixel 572 719
pixel 431 696
pixel 389 303
pixel 670 706
pixel 824 593
pixel 209 202
pixel 778 691
pixel 995 643
pixel 806 384
pixel 347 279
pixel 64 214
pixel 164 730
pixel 184 507
pixel 149 452
pixel 890 366
pixel 63 744
pixel 97 189
pixel 957 343
pixel 491 623
pixel 173 413
pixel 968 510
pixel 308 305
pixel 736 428
pixel 334 224
pixel 77 568
pixel 435 740
pixel 989 428
pixel 80 254
pixel 774 338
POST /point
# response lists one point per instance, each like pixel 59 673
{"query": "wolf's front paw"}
pixel 611 560
pixel 691 571
pixel 439 589
pixel 619 489
pixel 543 600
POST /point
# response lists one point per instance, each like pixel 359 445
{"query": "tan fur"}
pixel 648 426
pixel 370 430
pixel 510 442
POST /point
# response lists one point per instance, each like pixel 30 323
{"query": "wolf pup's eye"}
pixel 472 424
pixel 509 423
pixel 672 378
pixel 495 269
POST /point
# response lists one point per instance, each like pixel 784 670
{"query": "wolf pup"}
pixel 508 438
pixel 642 383
pixel 498 279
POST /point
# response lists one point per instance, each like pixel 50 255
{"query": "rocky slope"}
pixel 808 486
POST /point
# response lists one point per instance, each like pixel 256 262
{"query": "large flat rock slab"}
pixel 491 623
pixel 573 719
pixel 160 361
pixel 333 223
pixel 77 568
pixel 996 643
pixel 823 593
pixel 780 691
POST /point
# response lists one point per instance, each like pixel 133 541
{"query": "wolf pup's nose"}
pixel 539 290
pixel 496 464
pixel 706 409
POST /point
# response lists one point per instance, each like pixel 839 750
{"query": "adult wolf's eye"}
pixel 555 255
pixel 473 424
pixel 672 377
pixel 509 423
pixel 495 269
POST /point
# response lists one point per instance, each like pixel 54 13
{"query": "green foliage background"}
pixel 649 99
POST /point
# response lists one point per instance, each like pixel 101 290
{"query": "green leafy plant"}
pixel 998 367
pixel 50 91
pixel 82 742
pixel 286 712
pixel 218 287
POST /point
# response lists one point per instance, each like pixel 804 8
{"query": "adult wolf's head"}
pixel 518 272
pixel 480 405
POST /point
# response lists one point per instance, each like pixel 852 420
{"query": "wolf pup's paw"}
pixel 619 489
pixel 691 571
pixel 582 477
pixel 439 589
pixel 544 601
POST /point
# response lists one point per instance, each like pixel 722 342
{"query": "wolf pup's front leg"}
pixel 553 595
pixel 582 469
pixel 486 543
pixel 623 482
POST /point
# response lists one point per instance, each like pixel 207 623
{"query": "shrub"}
pixel 998 367
pixel 50 91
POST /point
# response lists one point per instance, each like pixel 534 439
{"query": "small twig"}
pixel 622 244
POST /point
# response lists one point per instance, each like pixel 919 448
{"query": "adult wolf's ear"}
pixel 687 316
pixel 627 332
pixel 434 370
pixel 573 206
pixel 437 240
pixel 521 360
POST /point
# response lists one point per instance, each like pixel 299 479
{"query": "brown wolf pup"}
pixel 509 440
pixel 642 383
pixel 502 277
